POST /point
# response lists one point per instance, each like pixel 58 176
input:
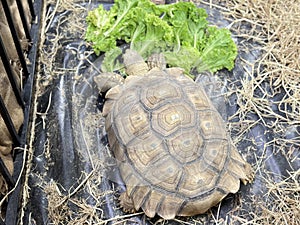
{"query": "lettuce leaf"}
pixel 110 61
pixel 151 34
pixel 181 31
pixel 106 27
pixel 219 51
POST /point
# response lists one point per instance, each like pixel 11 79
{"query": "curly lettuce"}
pixel 181 31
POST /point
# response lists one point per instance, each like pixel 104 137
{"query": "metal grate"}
pixel 10 10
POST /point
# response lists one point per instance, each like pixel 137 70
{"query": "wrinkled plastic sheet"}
pixel 70 135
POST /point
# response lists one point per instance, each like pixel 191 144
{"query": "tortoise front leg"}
pixel 106 81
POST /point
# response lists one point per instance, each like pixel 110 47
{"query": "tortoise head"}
pixel 134 63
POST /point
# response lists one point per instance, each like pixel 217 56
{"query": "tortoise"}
pixel 173 151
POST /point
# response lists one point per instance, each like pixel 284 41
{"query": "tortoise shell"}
pixel 171 144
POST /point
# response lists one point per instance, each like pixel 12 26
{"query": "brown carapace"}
pixel 171 144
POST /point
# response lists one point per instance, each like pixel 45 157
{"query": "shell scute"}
pixel 165 175
pixel 140 195
pixel 171 117
pixel 211 125
pixel 216 154
pixel 145 151
pixel 186 146
pixel 169 207
pixel 203 204
pixel 199 178
pixel 156 92
pixel 125 101
pixel 152 202
pixel 131 126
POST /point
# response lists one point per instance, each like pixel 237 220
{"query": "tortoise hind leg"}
pixel 126 202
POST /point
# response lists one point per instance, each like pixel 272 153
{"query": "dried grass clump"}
pixel 72 210
pixel 66 207
pixel 283 199
pixel 271 87
pixel 275 26
pixel 281 204
pixel 69 24
pixel 57 208
pixel 268 95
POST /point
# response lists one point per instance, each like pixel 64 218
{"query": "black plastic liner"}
pixel 70 138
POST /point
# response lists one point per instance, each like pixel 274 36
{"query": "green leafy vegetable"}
pixel 179 30
pixel 110 62
pixel 185 58
pixel 150 33
pixel 106 27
